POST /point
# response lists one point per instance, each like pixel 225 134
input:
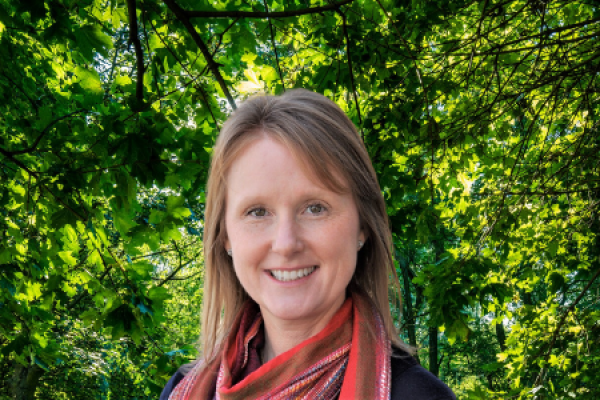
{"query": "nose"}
pixel 287 240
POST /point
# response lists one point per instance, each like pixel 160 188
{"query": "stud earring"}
pixel 229 252
pixel 360 244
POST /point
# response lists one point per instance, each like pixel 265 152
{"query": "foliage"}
pixel 481 119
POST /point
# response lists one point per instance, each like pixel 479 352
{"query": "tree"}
pixel 481 119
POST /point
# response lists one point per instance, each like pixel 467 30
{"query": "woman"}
pixel 297 265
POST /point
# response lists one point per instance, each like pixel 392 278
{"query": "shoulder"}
pixel 175 379
pixel 410 381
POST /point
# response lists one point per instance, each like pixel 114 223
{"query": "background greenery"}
pixel 481 118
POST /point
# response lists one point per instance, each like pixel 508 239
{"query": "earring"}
pixel 360 244
pixel 229 252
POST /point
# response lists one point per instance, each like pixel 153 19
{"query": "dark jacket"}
pixel 410 381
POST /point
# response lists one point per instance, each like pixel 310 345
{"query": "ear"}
pixel 227 243
pixel 361 236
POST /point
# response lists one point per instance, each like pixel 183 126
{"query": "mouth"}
pixel 287 275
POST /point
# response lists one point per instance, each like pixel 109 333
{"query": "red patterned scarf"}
pixel 349 358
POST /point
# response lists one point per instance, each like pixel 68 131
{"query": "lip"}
pixel 292 268
pixel 295 281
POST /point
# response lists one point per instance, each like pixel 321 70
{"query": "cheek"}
pixel 341 238
pixel 248 252
pixel 243 272
pixel 225 234
pixel 340 249
pixel 234 234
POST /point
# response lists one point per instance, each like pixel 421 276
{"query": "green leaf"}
pixel 174 202
pixel 123 222
pixel 268 73
pixel 552 248
pixel 181 212
pixel 41 364
pixel 45 117
pixel 18 345
pixel 123 80
pixel 90 38
pixel 557 281
pixel 249 58
pixel 158 294
pixel 142 269
pixel 89 80
pixel 67 257
pixel 6 256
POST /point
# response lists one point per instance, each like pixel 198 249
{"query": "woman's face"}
pixel 294 241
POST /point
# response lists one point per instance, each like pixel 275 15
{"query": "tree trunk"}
pixel 25 381
pixel 501 336
pixel 434 367
pixel 410 315
pixel 490 381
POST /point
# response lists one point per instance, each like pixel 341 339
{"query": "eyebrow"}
pixel 263 198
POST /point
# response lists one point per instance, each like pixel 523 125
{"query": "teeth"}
pixel 286 275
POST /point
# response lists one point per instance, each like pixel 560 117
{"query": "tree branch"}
pixel 561 322
pixel 119 45
pixel 43 186
pixel 411 56
pixel 538 193
pixel 349 56
pixel 221 35
pixel 65 205
pixel 38 139
pixel 139 54
pixel 22 91
pixel 212 65
pixel 274 46
pixel 176 270
pixel 264 14
pixel 20 164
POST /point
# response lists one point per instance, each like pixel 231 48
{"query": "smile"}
pixel 286 276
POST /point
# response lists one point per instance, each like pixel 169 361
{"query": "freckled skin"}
pixel 278 217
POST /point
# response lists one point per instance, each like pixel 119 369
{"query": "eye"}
pixel 316 209
pixel 257 212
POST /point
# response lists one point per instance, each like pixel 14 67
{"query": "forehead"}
pixel 317 165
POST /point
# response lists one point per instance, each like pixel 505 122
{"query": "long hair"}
pixel 320 134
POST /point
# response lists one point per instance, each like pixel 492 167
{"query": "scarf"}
pixel 349 358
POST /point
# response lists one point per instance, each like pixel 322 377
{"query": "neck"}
pixel 281 335
pixel 279 341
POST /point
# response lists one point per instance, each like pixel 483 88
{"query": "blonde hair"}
pixel 318 132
